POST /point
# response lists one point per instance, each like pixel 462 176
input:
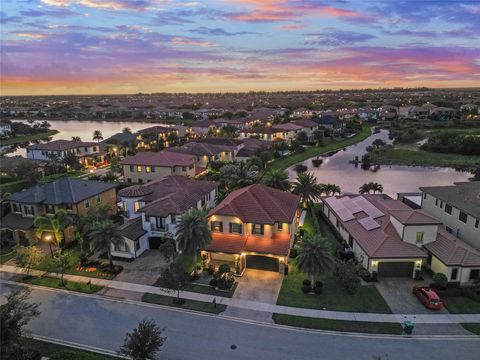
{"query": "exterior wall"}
pixel 438 267
pixel 429 233
pixel 131 253
pixel 128 207
pixel 159 171
pixel 107 197
pixel 464 231
pixel 463 275
pixel 80 151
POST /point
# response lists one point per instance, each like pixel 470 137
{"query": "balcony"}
pixel 156 228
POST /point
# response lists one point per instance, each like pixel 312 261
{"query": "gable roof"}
pixel 259 204
pixel 62 191
pixel 162 158
pixel 61 145
pixel 414 217
pixel 158 129
pixel 202 149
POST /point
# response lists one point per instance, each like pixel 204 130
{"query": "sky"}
pixel 119 46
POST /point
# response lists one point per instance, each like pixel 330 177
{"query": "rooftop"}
pixel 162 158
pixel 61 145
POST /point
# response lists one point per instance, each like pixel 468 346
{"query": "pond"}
pixel 337 169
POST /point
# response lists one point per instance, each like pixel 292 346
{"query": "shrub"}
pixel 225 282
pixel 306 289
pixel 213 282
pixel 318 290
pixel 293 253
pixel 440 280
pixel 318 284
pixel 374 276
pixel 364 274
pixel 300 168
pixel 224 268
pixel 347 275
pixel 307 282
pixel 211 269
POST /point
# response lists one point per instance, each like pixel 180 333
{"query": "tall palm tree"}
pixel 104 235
pixel 76 138
pixel 371 186
pixel 377 187
pixel 126 130
pixel 332 189
pixel 364 189
pixel 193 233
pixel 315 256
pixel 277 179
pixel 307 187
pixel 97 135
pixel 55 224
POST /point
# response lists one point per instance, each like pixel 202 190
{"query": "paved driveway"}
pixel 256 285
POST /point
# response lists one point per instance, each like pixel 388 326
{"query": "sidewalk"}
pixel 259 306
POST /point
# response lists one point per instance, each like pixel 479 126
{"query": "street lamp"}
pixel 48 238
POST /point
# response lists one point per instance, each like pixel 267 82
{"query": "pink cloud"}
pixel 291 27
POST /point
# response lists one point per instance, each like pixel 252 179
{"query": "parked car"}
pixel 428 297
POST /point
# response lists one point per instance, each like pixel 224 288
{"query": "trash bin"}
pixel 408 327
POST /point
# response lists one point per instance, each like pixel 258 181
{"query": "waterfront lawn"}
pixel 398 156
pixel 472 327
pixel 189 304
pixel 54 282
pixel 338 325
pixel 313 151
pixel 27 138
pixel 57 351
pixel 461 305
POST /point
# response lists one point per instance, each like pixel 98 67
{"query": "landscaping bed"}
pixel 338 325
pixel 187 304
pixel 53 282
pixel 57 352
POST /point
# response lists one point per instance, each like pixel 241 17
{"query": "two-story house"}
pixel 86 152
pixel 152 210
pixel 73 195
pixel 253 227
pixel 148 138
pixel 147 166
pixel 457 207
pixel 393 240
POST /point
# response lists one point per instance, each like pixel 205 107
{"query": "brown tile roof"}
pixel 226 243
pixel 133 229
pixel 61 145
pixel 305 123
pixel 156 130
pixel 288 127
pixel 162 158
pixel 204 124
pixel 236 244
pixel 202 149
pixel 413 217
pixel 16 221
pixel 453 251
pixel 259 204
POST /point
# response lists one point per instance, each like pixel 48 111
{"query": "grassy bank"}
pixel 338 325
pixel 316 151
pixel 7 255
pixel 398 156
pixel 53 282
pixel 189 304
pixel 56 351
pixel 461 305
pixel 26 138
pixel 472 327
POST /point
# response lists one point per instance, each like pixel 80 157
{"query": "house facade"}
pixel 152 210
pixel 86 152
pixel 150 137
pixel 204 152
pixel 253 227
pixel 144 167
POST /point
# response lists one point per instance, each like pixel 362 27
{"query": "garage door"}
pixel 262 262
pixel 395 269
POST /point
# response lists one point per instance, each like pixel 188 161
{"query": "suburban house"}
pixel 147 166
pixel 443 113
pixel 262 133
pixel 251 147
pixel 87 152
pixel 393 240
pixel 152 210
pixel 302 113
pixel 204 152
pixel 9 164
pixel 253 227
pixel 148 138
pixel 414 112
pixel 457 207
pixel 330 121
pixel 203 127
pixel 5 130
pixel 73 195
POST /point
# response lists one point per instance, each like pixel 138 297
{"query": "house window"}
pixel 217 226
pixel 29 210
pixel 153 169
pixel 174 218
pixel 463 217
pixel 137 245
pixel 132 168
pixel 280 226
pixel 436 202
pixel 69 207
pixel 476 223
pixel 86 203
pixel 191 167
pixel 235 228
pixel 94 149
pixel 139 168
pixel 86 149
pixel 16 208
pixel 148 169
pixel 420 237
pixel 424 195
pixel 97 197
pixel 474 274
pixel 257 229
pixel 441 204
pixel 136 206
pixel 454 274
pixel 50 209
pixel 448 209
pixel 184 168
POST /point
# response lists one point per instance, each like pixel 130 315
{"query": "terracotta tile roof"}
pixel 413 217
pixel 61 145
pixel 133 229
pixel 288 127
pixel 305 123
pixel 279 244
pixel 156 130
pixel 204 124
pixel 226 243
pixel 453 251
pixel 259 204
pixel 162 158
pixel 201 149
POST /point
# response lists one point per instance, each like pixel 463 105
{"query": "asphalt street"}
pixel 102 323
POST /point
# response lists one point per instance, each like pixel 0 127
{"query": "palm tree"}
pixel 193 233
pixel 377 187
pixel 104 235
pixel 331 189
pixel 55 224
pixel 97 135
pixel 277 179
pixel 364 189
pixel 76 138
pixel 315 256
pixel 126 130
pixel 371 186
pixel 307 187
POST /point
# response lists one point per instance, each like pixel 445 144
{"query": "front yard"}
pixel 461 305
pixel 187 304
pixel 54 282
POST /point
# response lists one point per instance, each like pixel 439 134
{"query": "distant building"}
pixel 5 130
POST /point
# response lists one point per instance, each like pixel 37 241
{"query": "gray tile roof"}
pixel 62 191
pixel 16 221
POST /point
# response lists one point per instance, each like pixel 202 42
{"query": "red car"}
pixel 428 297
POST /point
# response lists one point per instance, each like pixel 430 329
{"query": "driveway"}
pixel 397 292
pixel 256 285
pixel 144 270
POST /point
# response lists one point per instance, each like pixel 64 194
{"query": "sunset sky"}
pixel 120 46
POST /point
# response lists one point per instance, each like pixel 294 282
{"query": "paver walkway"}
pixel 260 306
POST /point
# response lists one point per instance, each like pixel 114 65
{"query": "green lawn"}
pixel 26 138
pixel 472 327
pixel 189 304
pixel 316 151
pixel 49 349
pixel 53 282
pixel 7 256
pixel 338 325
pixel 461 305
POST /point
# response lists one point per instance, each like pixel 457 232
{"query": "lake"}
pixel 337 169
pixel 84 129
